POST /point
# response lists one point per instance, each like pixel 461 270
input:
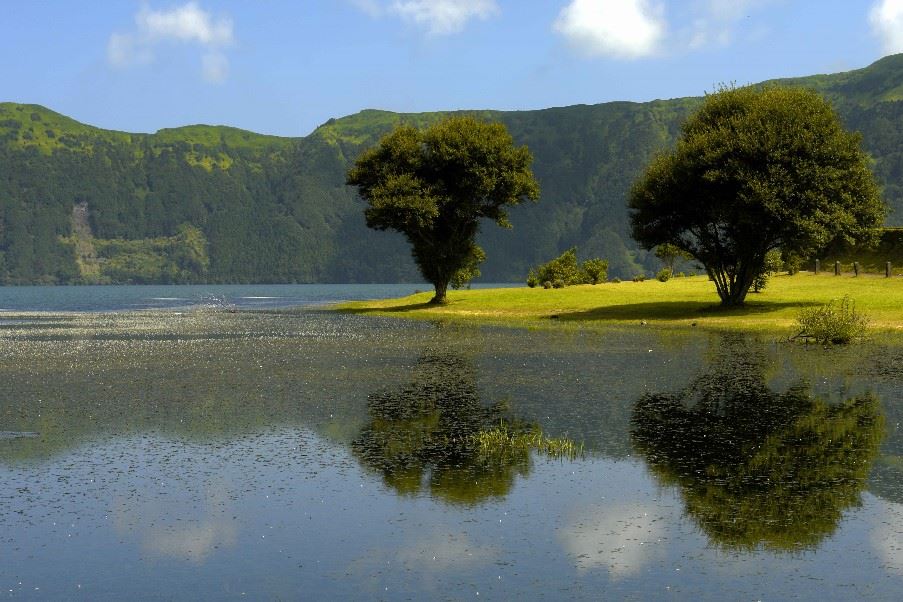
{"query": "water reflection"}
pixel 759 468
pixel 421 435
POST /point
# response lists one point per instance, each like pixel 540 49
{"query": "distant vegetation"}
pixel 276 209
pixel 564 271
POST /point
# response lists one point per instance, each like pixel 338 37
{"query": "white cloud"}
pixel 715 21
pixel 438 17
pixel 886 18
pixel 619 28
pixel 186 24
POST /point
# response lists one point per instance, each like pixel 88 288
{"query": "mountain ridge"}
pixel 275 209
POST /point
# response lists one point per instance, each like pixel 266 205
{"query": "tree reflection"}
pixel 757 468
pixel 421 436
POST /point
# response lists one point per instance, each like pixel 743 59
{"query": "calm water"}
pixel 296 453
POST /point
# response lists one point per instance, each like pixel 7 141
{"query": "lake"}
pixel 244 442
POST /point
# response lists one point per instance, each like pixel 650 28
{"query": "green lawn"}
pixel 678 303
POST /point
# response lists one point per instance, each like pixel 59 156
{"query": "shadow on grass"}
pixel 679 310
pixel 393 309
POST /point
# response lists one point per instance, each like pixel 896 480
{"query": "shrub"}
pixel 532 279
pixel 639 277
pixel 832 324
pixel 664 275
pixel 559 284
pixel 616 280
pixel 595 270
pixel 546 284
pixel 566 269
pixel 792 264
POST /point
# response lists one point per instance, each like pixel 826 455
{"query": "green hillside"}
pixel 271 209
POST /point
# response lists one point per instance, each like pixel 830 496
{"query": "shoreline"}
pixel 680 303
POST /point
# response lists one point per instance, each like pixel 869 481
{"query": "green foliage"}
pixel 639 277
pixel 175 259
pixel 772 265
pixel 835 323
pixel 756 169
pixel 567 271
pixel 664 275
pixel 435 185
pixel 275 209
pixel 506 440
pixel 469 270
pixel 563 268
pixel 669 253
pixel 595 270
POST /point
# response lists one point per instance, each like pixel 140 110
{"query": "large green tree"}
pixel 756 169
pixel 435 185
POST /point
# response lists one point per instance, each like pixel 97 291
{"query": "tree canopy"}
pixel 435 185
pixel 756 169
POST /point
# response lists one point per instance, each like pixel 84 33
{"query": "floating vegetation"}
pixel 835 323
pixel 505 440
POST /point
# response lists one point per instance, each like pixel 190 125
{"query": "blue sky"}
pixel 283 67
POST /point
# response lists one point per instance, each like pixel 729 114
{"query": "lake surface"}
pixel 290 452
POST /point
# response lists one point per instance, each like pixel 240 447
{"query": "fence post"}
pixel 817 266
pixel 837 268
pixel 887 270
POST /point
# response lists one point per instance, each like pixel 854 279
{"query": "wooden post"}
pixel 887 270
pixel 817 266
pixel 837 268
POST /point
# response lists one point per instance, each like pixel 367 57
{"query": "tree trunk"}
pixel 441 290
pixel 736 293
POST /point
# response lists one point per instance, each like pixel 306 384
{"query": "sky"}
pixel 284 67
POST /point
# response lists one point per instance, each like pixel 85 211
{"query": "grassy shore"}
pixel 679 303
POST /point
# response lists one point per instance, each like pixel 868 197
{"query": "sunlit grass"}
pixel 681 302
pixel 503 441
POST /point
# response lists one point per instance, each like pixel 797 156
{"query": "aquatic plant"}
pixel 507 439
pixel 835 323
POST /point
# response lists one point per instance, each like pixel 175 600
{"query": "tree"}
pixel 435 185
pixel 756 169
pixel 668 253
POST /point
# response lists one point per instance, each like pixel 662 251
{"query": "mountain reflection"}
pixel 757 468
pixel 421 435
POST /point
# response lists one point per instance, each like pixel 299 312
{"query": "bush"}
pixel 546 284
pixel 616 281
pixel 664 275
pixel 566 269
pixel 792 264
pixel 832 324
pixel 532 280
pixel 639 277
pixel 595 270
pixel 559 284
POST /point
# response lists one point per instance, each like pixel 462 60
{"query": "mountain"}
pixel 219 204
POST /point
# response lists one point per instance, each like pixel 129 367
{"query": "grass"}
pixel 679 303
pixel 502 441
